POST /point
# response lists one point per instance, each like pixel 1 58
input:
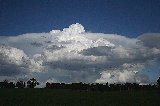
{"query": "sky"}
pixel 125 17
pixel 91 41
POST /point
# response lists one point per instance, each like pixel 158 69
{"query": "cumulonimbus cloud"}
pixel 74 55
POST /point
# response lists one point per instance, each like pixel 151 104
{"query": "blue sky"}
pixel 125 17
pixel 100 40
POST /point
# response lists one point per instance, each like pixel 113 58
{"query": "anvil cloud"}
pixel 74 55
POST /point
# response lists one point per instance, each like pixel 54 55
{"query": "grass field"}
pixel 50 97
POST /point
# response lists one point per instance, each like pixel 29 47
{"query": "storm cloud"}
pixel 74 55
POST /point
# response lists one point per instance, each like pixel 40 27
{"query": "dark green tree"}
pixel 32 83
pixel 20 84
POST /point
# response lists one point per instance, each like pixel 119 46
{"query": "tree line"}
pixel 32 83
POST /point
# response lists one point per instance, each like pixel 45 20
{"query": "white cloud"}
pixel 43 84
pixel 13 55
pixel 12 61
pixel 73 55
pixel 123 74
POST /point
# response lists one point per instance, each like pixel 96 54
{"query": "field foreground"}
pixel 52 97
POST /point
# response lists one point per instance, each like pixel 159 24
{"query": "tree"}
pixel 20 84
pixel 5 84
pixel 158 81
pixel 32 83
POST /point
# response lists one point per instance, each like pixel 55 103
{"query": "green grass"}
pixel 50 97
